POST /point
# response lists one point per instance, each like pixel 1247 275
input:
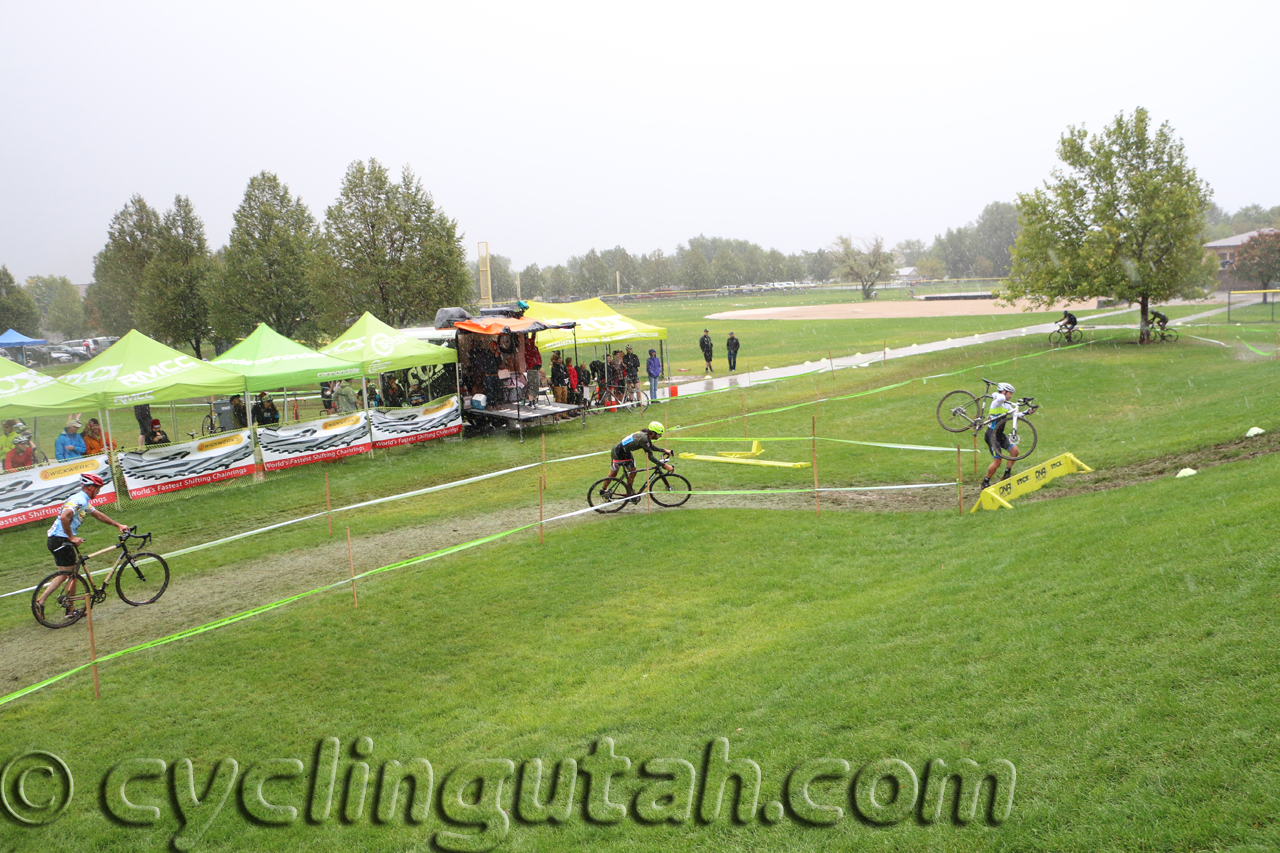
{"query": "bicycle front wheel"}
pixel 1024 438
pixel 1055 338
pixel 957 411
pixel 208 426
pixel 62 607
pixel 637 401
pixel 607 495
pixel 142 579
pixel 670 490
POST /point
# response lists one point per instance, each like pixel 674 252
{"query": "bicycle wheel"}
pixel 208 426
pixel 670 490
pixel 607 494
pixel 957 411
pixel 636 401
pixel 58 611
pixel 1024 439
pixel 1055 337
pixel 1075 336
pixel 1170 335
pixel 140 580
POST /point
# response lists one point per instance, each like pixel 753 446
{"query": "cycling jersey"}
pixel 1069 320
pixel 1157 317
pixel 636 441
pixel 1000 405
pixel 80 504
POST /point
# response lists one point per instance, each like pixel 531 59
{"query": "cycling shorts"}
pixel 997 440
pixel 624 461
pixel 64 553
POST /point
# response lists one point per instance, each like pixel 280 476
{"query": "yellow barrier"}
pixel 999 495
pixel 756 450
pixel 762 462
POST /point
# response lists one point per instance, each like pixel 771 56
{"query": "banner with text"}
pixel 191 463
pixel 37 493
pixel 314 441
pixel 405 426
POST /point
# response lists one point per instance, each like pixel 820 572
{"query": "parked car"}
pixel 59 354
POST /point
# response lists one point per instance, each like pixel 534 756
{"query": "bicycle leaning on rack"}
pixel 141 578
pixel 666 488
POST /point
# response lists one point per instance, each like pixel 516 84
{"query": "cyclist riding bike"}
pixel 1159 319
pixel 642 440
pixel 1068 321
pixel 1002 406
pixel 62 538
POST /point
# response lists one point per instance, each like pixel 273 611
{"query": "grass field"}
pixel 1112 643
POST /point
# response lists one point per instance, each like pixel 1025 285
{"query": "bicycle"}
pixel 138 582
pixel 634 400
pixel 609 494
pixel 959 410
pixel 1070 336
pixel 1155 334
pixel 210 424
pixel 1018 421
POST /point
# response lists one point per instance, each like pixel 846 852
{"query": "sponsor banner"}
pixel 406 426
pixel 38 493
pixel 191 463
pixel 314 441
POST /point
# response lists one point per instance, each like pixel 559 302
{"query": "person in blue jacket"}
pixel 70 445
pixel 654 368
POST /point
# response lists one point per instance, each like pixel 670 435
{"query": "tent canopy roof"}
pixel 267 359
pixel 597 324
pixel 136 370
pixel 377 348
pixel 25 392
pixel 497 325
pixel 17 339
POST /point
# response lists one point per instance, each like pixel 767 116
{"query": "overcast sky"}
pixel 549 129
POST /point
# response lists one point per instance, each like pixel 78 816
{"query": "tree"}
pixel 695 270
pixel 18 310
pixel 1258 260
pixel 657 270
pixel 911 252
pixel 268 265
pixel 931 268
pixel 172 300
pixel 994 234
pixel 591 276
pixel 531 286
pixel 868 266
pixel 388 249
pixel 955 249
pixel 502 281
pixel 117 270
pixel 820 265
pixel 727 270
pixel 1123 220
pixel 559 281
pixel 59 304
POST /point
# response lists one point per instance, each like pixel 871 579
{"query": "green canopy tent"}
pixel 378 348
pixel 137 370
pixel 25 392
pixel 267 359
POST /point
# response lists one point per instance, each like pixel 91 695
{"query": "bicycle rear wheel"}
pixel 670 490
pixel 607 495
pixel 1075 336
pixel 636 401
pixel 1024 438
pixel 208 426
pixel 957 411
pixel 61 609
pixel 1170 335
pixel 142 579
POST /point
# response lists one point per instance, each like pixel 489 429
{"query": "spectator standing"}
pixel 95 440
pixel 142 414
pixel 631 362
pixel 395 394
pixel 238 413
pixel 157 435
pixel 70 445
pixel 533 367
pixel 731 346
pixel 559 379
pixel 21 455
pixel 654 368
pixel 704 344
pixel 10 435
pixel 574 381
pixel 347 397
pixel 265 411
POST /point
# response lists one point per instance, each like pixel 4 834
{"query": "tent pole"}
pixel 457 389
pixel 364 401
pixel 173 416
pixel 112 457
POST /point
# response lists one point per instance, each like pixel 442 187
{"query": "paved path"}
pixel 749 378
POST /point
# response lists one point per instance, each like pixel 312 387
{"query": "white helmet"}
pixel 1004 388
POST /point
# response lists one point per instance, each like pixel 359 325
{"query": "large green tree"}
pixel 870 265
pixel 172 302
pixel 18 310
pixel 1121 218
pixel 266 270
pixel 388 249
pixel 58 301
pixel 1258 260
pixel 132 239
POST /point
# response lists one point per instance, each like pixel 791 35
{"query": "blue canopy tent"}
pixel 17 339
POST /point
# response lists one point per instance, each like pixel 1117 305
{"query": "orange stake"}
pixel 352 560
pixel 328 507
pixel 816 504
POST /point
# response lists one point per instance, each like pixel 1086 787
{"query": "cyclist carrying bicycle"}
pixel 643 440
pixel 62 538
pixel 1068 321
pixel 1002 406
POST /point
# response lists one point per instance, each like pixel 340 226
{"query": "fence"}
pixel 1252 306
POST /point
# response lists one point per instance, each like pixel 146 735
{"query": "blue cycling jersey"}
pixel 80 504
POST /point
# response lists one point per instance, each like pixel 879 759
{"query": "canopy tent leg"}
pixel 173 417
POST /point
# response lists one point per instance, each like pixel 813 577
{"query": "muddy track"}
pixel 30 652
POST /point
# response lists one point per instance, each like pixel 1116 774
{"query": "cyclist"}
pixel 1068 322
pixel 1002 406
pixel 642 440
pixel 1159 319
pixel 62 538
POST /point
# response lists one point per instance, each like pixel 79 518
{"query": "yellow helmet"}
pixel 656 428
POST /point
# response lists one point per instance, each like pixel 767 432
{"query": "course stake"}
pixel 542 484
pixel 959 483
pixel 817 506
pixel 352 560
pixel 328 507
pixel 93 648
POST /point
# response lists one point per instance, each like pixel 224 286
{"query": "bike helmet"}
pixel 1004 388
pixel 91 480
pixel 656 428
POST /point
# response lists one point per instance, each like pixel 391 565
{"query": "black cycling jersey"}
pixel 1069 319
pixel 636 441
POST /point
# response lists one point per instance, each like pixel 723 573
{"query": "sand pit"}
pixel 876 310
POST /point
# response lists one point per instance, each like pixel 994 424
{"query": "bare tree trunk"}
pixel 1144 325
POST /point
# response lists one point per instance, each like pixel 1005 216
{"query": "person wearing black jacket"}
pixel 731 346
pixel 631 362
pixel 704 344
pixel 559 379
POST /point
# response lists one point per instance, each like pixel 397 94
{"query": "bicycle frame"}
pixel 80 571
